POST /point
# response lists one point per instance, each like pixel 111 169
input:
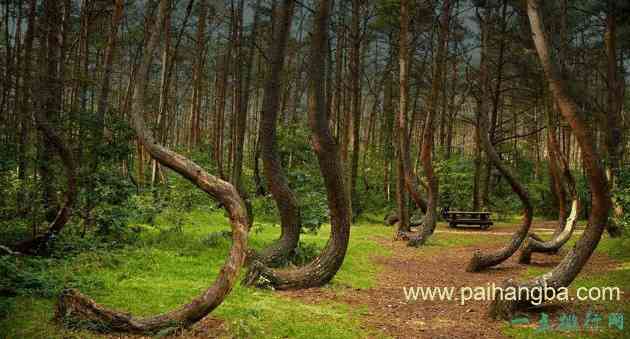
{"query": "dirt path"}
pixel 544 231
pixel 392 315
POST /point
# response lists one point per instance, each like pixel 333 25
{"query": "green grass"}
pixel 167 267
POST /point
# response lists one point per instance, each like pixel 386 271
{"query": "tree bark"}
pixel 26 107
pixel 481 261
pixel 277 182
pixel 563 274
pixel 401 121
pixel 197 76
pixel 73 304
pixel 323 268
pixel 426 151
pixel 613 130
pixel 355 84
pixel 243 104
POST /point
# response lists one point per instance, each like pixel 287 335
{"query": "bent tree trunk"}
pixel 35 244
pixel 533 245
pixel 563 274
pixel 480 261
pixel 276 180
pixel 323 268
pixel 426 151
pixel 73 305
pixel 563 183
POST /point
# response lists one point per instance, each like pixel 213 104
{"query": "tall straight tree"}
pixel 615 84
pixel 401 120
pixel 243 103
pixel 197 75
pixel 355 85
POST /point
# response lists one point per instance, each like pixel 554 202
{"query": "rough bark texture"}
pixel 426 151
pixel 277 182
pixel 72 305
pixel 355 84
pixel 613 130
pixel 243 104
pixel 401 119
pixel 323 268
pixel 481 261
pixel 563 274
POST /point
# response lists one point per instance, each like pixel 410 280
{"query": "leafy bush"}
pixel 314 211
pixel 305 253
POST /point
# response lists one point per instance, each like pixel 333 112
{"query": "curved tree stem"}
pixel 74 305
pixel 563 274
pixel 323 268
pixel 481 261
pixel 277 182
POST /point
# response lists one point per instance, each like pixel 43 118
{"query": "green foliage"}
pixel 621 196
pixel 24 276
pixel 304 179
pixel 456 176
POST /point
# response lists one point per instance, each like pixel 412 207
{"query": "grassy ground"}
pixel 168 266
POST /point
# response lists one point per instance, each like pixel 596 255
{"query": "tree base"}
pixel 77 310
pixel 475 263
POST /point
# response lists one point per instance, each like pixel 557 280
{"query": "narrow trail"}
pixel 390 314
pixel 545 231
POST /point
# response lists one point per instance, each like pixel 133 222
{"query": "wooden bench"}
pixel 455 218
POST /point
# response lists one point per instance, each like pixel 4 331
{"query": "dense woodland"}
pixel 120 115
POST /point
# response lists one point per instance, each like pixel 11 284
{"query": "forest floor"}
pixel 366 299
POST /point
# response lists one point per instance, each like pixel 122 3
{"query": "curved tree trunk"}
pixel 276 180
pixel 533 245
pixel 563 183
pixel 412 182
pixel 35 244
pixel 563 274
pixel 481 261
pixel 72 304
pixel 426 151
pixel 321 270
